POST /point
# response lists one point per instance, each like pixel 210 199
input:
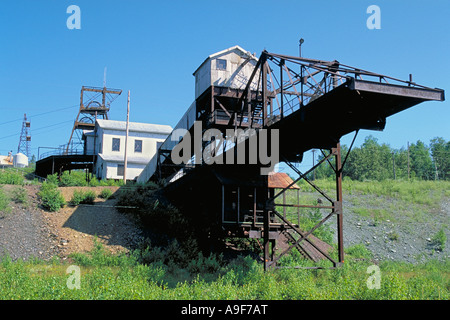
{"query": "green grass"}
pixel 414 191
pixel 107 276
pixel 4 202
pixel 168 273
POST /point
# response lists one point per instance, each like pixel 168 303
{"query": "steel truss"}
pixel 293 232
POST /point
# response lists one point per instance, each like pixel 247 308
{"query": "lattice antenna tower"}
pixel 25 137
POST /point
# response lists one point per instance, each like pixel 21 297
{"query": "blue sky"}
pixel 152 48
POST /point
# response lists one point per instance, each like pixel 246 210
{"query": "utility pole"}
pixel 126 140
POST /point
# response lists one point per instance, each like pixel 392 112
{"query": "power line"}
pixel 34 130
pixel 39 114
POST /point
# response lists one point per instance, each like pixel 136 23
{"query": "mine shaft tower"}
pixel 91 108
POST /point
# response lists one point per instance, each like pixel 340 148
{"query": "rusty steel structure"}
pixel 95 104
pixel 91 108
pixel 311 104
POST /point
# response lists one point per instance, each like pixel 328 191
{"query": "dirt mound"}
pixel 28 231
pixel 77 227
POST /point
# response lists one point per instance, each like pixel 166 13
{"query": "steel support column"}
pixel 338 203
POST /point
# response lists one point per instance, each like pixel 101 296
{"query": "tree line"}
pixel 375 161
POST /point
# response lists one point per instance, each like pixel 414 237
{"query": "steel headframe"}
pixel 91 108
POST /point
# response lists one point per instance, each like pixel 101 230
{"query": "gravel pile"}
pixel 24 233
pixel 406 236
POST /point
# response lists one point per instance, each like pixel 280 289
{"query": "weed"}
pixel 4 202
pixel 393 236
pixel 439 239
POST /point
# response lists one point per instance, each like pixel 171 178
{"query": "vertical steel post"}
pixel 264 87
pixel 281 89
pixel 338 204
pixel 265 189
pixel 267 255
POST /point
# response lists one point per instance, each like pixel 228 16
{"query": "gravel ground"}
pixel 406 234
pixel 27 231
pixel 24 232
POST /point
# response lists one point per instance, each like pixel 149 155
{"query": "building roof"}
pixel 281 180
pixel 134 126
pixel 212 56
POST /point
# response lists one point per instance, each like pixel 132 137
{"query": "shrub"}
pixel 440 239
pixel 11 176
pixel 84 197
pixel 89 197
pixel 72 179
pixel 105 194
pixel 53 179
pixel 51 197
pixel 20 195
pixel 202 264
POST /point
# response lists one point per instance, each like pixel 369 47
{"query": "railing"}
pixel 59 151
pixel 286 83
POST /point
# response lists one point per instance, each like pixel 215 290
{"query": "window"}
pixel 221 64
pixel 120 169
pixel 137 145
pixel 115 144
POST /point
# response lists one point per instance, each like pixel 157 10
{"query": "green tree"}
pixel 440 151
pixel 371 161
pixel 421 163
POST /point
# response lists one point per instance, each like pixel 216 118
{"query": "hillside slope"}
pixel 390 225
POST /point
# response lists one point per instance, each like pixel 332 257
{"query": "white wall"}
pixel 107 160
pixel 236 75
pixel 90 144
pixel 110 170
pixel 148 143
